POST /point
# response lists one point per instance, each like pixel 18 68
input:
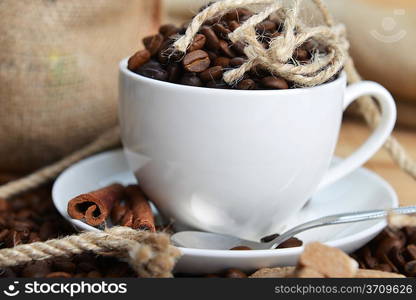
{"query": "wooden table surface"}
pixel 354 133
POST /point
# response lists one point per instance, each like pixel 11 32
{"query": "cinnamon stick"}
pixel 143 218
pixel 95 207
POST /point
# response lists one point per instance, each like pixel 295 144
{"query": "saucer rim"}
pixel 229 253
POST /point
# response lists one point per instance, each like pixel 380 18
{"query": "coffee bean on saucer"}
pixel 212 41
pixel 196 61
pixel 241 248
pixel 211 74
pixel 153 43
pixel 198 42
pixel 274 83
pixel 411 252
pixel 191 79
pixel 290 243
pixel 217 85
pixel 221 30
pixel 233 25
pixel 302 55
pixel 153 70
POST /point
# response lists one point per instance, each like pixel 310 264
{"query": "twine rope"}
pixel 151 255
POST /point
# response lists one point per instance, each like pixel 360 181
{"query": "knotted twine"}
pixel 151 255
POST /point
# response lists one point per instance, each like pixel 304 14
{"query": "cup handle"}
pixel 376 140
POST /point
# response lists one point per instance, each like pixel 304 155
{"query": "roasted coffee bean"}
pixel 222 61
pixel 174 72
pixel 301 55
pixel 369 260
pixel 221 31
pixel 241 248
pixel 383 267
pixel 410 268
pixel 4 234
pixel 37 269
pixel 168 29
pixel 237 14
pixel 212 41
pixel 247 84
pixel 225 49
pixel 411 252
pixel 386 259
pixel 86 266
pixel 269 238
pixel 237 61
pixel 198 42
pixel 267 25
pixel 58 275
pixel 153 70
pixel 7 273
pixel 196 61
pixel 64 265
pixel 212 55
pixel 290 243
pixel 217 85
pixel 153 43
pixel 397 258
pixel 191 79
pixel 94 274
pixel 233 25
pixel 386 245
pixel 4 205
pixel 212 74
pixel 239 47
pixel 234 273
pixel 212 276
pixel 274 83
pixel 138 59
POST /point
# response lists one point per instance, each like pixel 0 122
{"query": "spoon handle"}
pixel 341 219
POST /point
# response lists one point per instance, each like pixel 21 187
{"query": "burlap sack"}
pixel 58 73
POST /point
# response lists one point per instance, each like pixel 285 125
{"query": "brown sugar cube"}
pixel 280 272
pixel 308 273
pixel 328 261
pixel 364 273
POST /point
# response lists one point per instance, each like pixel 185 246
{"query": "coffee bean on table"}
pixel 247 84
pixel 410 268
pixel 217 85
pixel 196 61
pixel 153 43
pixel 191 79
pixel 153 70
pixel 212 41
pixel 274 83
pixel 212 74
pixel 222 61
pixel 198 42
pixel 411 252
pixel 58 275
pixel 138 59
pixel 239 47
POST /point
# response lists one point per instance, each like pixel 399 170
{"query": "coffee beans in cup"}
pixel 211 53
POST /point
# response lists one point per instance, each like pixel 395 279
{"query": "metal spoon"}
pixel 207 240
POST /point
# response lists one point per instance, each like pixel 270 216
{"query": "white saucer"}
pixel 362 190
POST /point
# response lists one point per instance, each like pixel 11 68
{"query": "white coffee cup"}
pixel 239 162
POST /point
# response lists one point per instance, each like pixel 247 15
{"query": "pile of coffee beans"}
pixel 391 251
pixel 32 217
pixel 212 53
